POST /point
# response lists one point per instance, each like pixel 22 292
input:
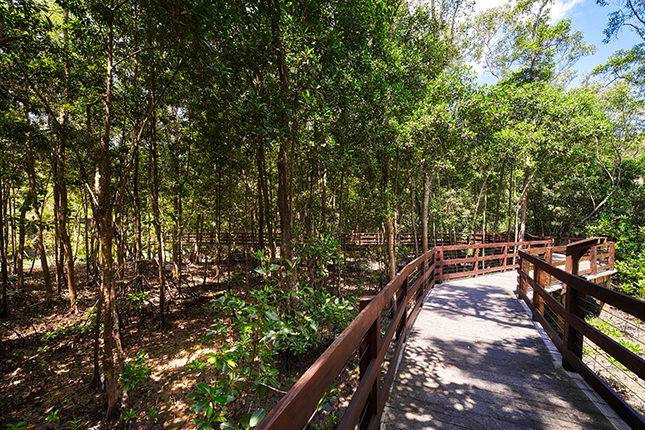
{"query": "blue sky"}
pixel 585 15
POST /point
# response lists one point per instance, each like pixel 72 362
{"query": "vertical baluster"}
pixel 439 266
pixel 476 262
pixel 538 303
pixel 369 350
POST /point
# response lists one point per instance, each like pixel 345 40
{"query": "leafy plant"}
pixel 209 401
pixel 151 412
pixel 137 300
pixel 76 424
pixel 134 372
pixel 52 416
pixel 130 415
pixel 22 425
pixel 197 366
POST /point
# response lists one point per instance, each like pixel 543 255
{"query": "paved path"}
pixel 474 360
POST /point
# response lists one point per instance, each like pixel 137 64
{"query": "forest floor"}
pixel 46 355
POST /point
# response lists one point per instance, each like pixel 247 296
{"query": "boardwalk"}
pixel 474 360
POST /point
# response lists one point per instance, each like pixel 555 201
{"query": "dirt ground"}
pixel 46 354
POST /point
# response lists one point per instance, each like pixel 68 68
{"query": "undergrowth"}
pixel 275 321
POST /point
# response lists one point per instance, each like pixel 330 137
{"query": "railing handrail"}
pixel 416 279
pixel 575 326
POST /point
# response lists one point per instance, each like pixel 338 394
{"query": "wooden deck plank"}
pixel 474 360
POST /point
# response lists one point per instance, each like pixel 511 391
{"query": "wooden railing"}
pixel 364 333
pixel 408 290
pixel 566 324
pixel 350 239
pixel 458 261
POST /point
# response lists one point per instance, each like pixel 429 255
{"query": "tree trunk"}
pixel 424 211
pixel 3 255
pixel 499 198
pixel 20 273
pixel 389 232
pixel 523 205
pixel 103 216
pixel 284 174
pixel 58 248
pixel 138 244
pixel 176 205
pixel 33 198
pixel 414 223
pixel 261 201
pixel 63 211
pixel 156 214
pixel 510 204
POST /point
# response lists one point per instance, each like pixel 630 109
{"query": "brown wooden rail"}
pixel 458 261
pixel 364 333
pixel 537 274
pixel 408 289
pixel 599 256
pixel 346 239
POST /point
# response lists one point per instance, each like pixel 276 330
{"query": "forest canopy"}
pixel 128 126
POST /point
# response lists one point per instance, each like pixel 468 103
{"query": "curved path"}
pixel 474 360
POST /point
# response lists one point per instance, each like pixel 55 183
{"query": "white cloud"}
pixel 559 10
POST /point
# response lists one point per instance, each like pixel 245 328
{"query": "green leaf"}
pixel 257 417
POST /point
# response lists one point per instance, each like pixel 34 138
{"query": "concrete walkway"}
pixel 474 360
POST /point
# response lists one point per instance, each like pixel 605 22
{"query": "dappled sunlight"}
pixel 475 360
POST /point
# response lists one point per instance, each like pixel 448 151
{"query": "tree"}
pixel 520 40
pixel 625 64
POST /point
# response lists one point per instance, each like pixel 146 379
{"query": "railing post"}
pixel 538 304
pixel 368 352
pixel 548 256
pixel 505 254
pixel 476 262
pixel 520 280
pixel 572 338
pixel 422 273
pixel 438 266
pixel 593 263
pixel 399 302
pixel 611 256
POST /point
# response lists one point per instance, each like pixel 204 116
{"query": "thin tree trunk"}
pixel 138 243
pixel 3 255
pixel 424 211
pixel 40 246
pixel 284 174
pixel 499 198
pixel 389 232
pixel 481 191
pixel 414 223
pixel 261 201
pixel 103 216
pixel 176 204
pixel 510 204
pixel 523 205
pixel 58 249
pixel 156 214
pixel 20 272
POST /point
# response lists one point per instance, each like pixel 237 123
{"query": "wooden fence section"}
pixel 458 261
pixel 598 259
pixel 566 324
pixel 352 239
